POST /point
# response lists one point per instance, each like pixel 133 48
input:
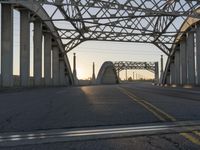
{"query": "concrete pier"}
pixel 55 65
pixel 198 54
pixel 190 59
pixel 6 45
pixel 172 74
pixel 183 62
pixel 62 80
pixel 37 52
pixel 24 47
pixel 156 73
pixel 47 58
pixel 177 67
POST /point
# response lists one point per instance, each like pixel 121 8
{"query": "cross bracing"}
pixel 143 21
pixel 126 65
pixel 155 21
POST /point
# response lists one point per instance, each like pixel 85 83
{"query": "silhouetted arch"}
pixel 107 74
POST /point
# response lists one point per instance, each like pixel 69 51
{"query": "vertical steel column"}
pixel 198 54
pixel 47 58
pixel 55 65
pixel 37 43
pixel 190 59
pixel 183 61
pixel 24 47
pixel 7 45
pixel 177 67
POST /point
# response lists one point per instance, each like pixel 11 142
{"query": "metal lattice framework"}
pixel 143 21
pixel 126 65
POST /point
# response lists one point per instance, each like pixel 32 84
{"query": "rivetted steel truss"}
pixel 144 21
pixel 127 65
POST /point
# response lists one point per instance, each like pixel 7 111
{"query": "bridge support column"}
pixel 62 72
pixel 55 66
pixel 198 54
pixel 168 79
pixel 47 58
pixel 190 59
pixel 183 62
pixel 37 52
pixel 7 45
pixel 177 67
pixel 172 74
pixel 24 48
pixel 156 73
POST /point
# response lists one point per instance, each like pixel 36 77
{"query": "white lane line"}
pixel 62 135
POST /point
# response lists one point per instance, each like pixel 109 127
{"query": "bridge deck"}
pixel 100 106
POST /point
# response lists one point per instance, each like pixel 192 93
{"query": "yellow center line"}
pixel 160 114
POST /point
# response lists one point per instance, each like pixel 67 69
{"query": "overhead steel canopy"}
pixel 143 21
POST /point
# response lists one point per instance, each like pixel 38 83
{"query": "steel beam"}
pixel 7 45
pixel 24 47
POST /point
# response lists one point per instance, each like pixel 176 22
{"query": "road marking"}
pixel 64 135
pixel 160 114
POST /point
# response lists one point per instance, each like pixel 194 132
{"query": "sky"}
pixel 97 52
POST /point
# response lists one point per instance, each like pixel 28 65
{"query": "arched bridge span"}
pixel 164 23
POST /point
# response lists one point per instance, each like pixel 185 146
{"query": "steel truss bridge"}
pixel 131 65
pixel 125 65
pixel 164 23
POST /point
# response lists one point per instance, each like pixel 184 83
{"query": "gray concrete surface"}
pixel 97 106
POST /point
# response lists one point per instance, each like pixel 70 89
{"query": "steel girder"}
pixel 126 65
pixel 143 21
pixel 155 21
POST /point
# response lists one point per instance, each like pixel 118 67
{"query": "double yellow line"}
pixel 160 114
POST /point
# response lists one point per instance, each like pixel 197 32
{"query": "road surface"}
pixel 127 116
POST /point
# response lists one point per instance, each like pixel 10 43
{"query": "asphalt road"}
pixel 106 106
